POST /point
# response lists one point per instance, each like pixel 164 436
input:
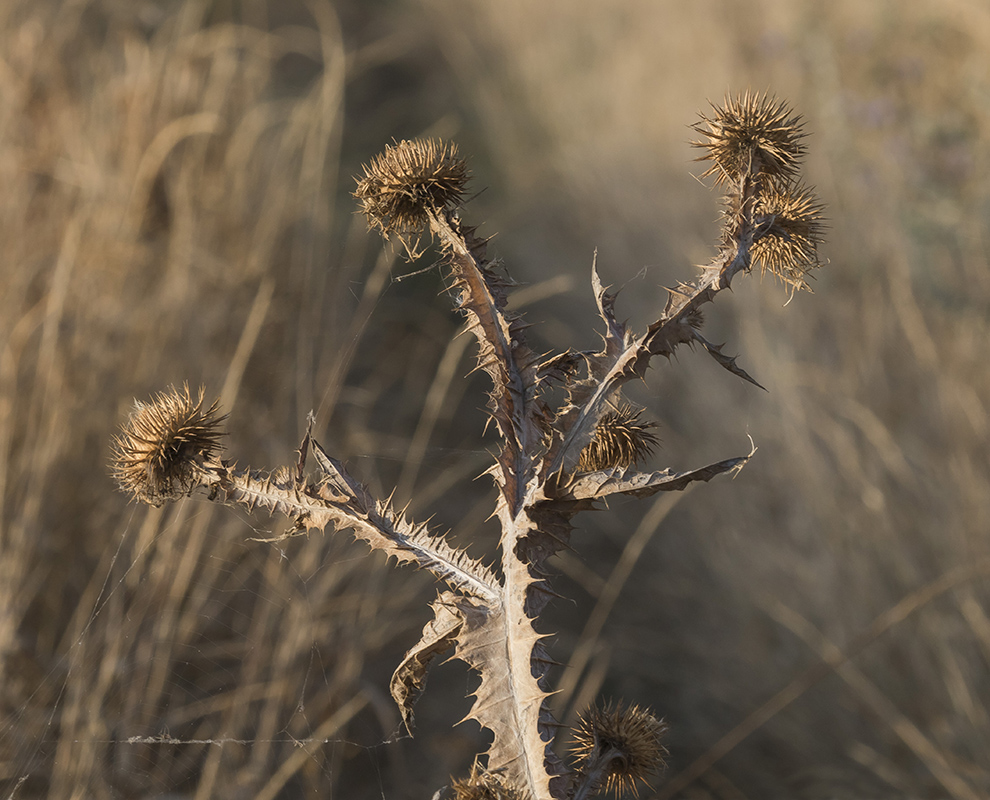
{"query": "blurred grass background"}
pixel 176 208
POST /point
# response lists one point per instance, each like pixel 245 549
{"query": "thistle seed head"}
pixel 754 134
pixel 157 455
pixel 484 785
pixel 793 224
pixel 407 180
pixel 620 440
pixel 622 744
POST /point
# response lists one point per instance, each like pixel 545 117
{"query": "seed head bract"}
pixel 484 785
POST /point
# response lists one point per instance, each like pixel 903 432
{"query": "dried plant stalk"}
pixel 553 461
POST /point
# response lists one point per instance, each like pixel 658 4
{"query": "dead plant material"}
pixel 616 748
pixel 164 443
pixel 759 138
pixel 560 451
pixel 621 440
pixel 406 181
pixel 755 134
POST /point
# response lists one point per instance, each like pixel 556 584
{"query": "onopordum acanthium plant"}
pixel 568 441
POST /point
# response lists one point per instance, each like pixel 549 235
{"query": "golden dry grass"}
pixel 174 209
pixel 169 214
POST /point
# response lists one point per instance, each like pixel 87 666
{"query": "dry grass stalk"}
pixel 555 458
pixel 158 171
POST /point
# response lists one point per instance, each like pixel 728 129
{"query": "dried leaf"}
pixel 439 635
pixel 597 485
pixel 715 351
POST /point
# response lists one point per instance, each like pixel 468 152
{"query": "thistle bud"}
pixel 617 748
pixel 406 181
pixel 751 135
pixel 620 440
pixel 792 222
pixel 159 452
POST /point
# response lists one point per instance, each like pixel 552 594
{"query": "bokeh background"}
pixel 176 208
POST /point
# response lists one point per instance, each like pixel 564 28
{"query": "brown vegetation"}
pixel 174 211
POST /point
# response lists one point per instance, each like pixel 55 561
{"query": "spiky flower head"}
pixel 620 746
pixel 157 455
pixel 484 785
pixel 620 440
pixel 753 134
pixel 791 225
pixel 409 179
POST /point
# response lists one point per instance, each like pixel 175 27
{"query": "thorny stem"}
pixel 511 392
pixel 310 506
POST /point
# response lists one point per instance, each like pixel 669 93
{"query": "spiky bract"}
pixel 793 223
pixel 158 452
pixel 405 181
pixel 623 744
pixel 620 440
pixel 484 785
pixel 753 134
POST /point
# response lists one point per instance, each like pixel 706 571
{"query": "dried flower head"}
pixel 484 785
pixel 160 448
pixel 619 747
pixel 753 134
pixel 407 180
pixel 791 225
pixel 620 440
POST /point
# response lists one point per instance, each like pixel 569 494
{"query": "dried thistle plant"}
pixel 560 453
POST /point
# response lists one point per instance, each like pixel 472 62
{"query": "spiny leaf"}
pixel 480 293
pixel 613 366
pixel 335 501
pixel 509 701
pixel 715 351
pixel 598 485
pixel 615 331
